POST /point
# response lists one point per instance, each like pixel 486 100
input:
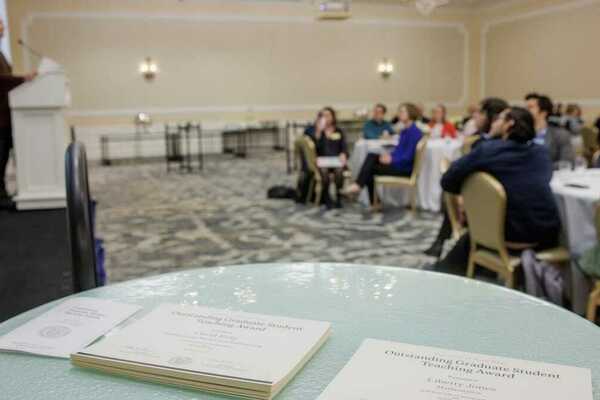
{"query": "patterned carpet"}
pixel 153 222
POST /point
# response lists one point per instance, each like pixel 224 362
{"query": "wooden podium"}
pixel 39 135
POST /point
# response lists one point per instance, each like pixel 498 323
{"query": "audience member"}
pixel 396 122
pixel 572 121
pixel 377 126
pixel 399 162
pixel 439 126
pixel 469 126
pixel 330 142
pixel 488 111
pixel 483 117
pixel 524 169
pixel 470 111
pixel 555 119
pixel 555 139
pixel 422 119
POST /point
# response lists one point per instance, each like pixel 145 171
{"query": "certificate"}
pixel 382 370
pixel 68 327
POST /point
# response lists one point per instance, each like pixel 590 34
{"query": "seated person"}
pixel 399 162
pixel 439 126
pixel 524 169
pixel 572 121
pixel 556 140
pixel 377 126
pixel 330 142
pixel 483 117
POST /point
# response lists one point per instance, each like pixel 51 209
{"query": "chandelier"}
pixel 426 7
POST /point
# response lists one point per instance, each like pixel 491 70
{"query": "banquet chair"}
pixel 594 300
pixel 468 143
pixel 589 137
pixel 401 181
pixel 485 205
pixel 79 219
pixel 451 203
pixel 307 152
pixel 596 159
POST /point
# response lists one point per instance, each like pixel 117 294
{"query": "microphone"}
pixel 29 49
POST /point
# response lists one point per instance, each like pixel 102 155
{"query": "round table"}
pixel 429 190
pixel 404 305
pixel 578 206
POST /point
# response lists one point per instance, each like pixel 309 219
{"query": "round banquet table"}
pixel 429 191
pixel 404 305
pixel 578 206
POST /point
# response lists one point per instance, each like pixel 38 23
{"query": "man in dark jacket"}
pixel 8 82
pixel 524 169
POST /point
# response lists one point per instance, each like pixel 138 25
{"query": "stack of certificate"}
pixel 232 353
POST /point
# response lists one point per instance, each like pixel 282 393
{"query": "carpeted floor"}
pixel 153 222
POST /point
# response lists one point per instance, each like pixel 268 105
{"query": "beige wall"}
pixel 243 60
pixel 546 46
pixel 252 60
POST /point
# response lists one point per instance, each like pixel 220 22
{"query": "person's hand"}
pixel 386 135
pixel 343 158
pixel 31 76
pixel 385 159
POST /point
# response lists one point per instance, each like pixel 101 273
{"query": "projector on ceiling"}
pixel 333 10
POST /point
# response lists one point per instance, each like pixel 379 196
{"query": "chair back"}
pixel 485 205
pixel 451 200
pixel 468 143
pixel 309 154
pixel 596 159
pixel 590 139
pixel 419 156
pixel 79 219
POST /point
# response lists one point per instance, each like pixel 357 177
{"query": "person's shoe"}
pixel 435 250
pixel 338 204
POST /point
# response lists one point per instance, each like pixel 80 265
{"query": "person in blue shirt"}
pixel 524 169
pixel 377 126
pixel 397 163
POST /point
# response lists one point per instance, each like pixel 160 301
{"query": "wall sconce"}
pixel 149 69
pixel 385 68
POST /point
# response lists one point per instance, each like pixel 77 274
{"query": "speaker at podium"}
pixel 39 136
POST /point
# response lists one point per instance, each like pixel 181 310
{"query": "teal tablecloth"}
pixel 361 301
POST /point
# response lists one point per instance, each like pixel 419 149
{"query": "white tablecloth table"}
pixel 577 208
pixel 428 185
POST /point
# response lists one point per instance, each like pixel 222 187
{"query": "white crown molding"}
pixel 488 25
pixel 29 20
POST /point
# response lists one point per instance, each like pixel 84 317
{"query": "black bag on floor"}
pixel 281 192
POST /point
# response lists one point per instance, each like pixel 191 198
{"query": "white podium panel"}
pixel 39 133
